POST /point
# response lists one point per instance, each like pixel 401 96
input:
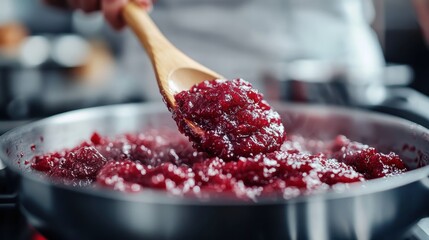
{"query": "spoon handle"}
pixel 174 70
pixel 162 53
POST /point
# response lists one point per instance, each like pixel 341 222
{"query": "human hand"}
pixel 422 13
pixel 112 9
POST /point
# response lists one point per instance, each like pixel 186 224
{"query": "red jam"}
pixel 242 151
pixel 166 160
pixel 233 119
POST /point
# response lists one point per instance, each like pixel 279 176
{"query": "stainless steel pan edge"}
pixel 354 189
pixel 302 217
pixel 405 103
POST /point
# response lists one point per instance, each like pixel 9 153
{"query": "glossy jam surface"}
pixel 233 119
pixel 162 159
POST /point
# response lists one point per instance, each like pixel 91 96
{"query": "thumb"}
pixel 146 4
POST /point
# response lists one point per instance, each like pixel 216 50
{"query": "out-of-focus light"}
pixel 70 50
pixel 34 51
pixel 375 94
pixel 312 70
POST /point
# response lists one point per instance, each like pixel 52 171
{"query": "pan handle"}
pixel 406 103
pixel 425 183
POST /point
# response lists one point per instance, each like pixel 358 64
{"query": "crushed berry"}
pixel 233 119
pixel 366 160
pixel 162 159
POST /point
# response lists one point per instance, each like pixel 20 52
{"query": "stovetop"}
pixel 13 226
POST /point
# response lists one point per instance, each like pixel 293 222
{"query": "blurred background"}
pixel 357 53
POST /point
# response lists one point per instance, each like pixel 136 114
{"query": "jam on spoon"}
pixel 235 120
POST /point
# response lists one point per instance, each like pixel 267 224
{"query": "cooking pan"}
pixel 377 209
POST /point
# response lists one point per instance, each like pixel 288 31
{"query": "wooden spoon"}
pixel 175 72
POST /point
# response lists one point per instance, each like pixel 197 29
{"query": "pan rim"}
pixel 161 197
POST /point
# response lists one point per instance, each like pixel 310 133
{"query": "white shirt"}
pixel 250 38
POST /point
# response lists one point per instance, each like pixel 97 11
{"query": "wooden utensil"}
pixel 175 72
